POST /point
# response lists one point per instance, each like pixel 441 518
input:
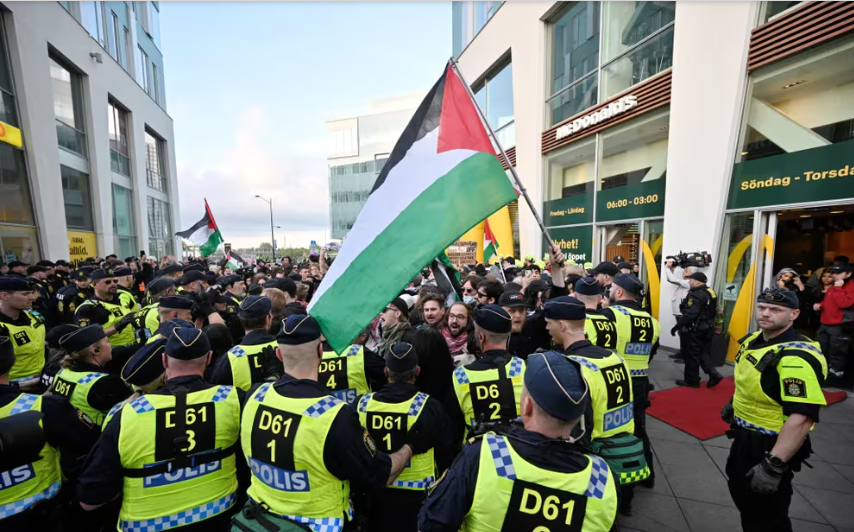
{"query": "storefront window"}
pixel 572 172
pixel 78 202
pixel 15 204
pixel 735 281
pixel 626 24
pixel 635 153
pixel 123 226
pixel 19 243
pixel 646 60
pixel 574 60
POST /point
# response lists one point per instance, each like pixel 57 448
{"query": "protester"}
pixel 456 329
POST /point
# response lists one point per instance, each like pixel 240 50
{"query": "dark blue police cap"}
pixel 56 333
pixel 493 318
pixel 779 296
pixel 628 282
pixel 402 357
pixel 165 328
pixel 195 267
pixel 556 385
pixel 77 275
pixel 82 338
pixel 159 285
pixel 187 344
pixel 298 329
pixel 228 280
pixel 565 308
pixel 170 269
pixel 255 290
pixel 146 364
pixel 176 302
pixel 123 272
pixel 102 274
pixel 14 283
pixel 190 277
pixel 588 286
pixel 254 307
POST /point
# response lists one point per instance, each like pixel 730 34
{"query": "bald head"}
pixel 300 358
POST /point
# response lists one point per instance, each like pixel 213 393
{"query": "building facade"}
pixel 87 157
pixel 641 132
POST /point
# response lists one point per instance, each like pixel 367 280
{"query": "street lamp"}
pixel 272 234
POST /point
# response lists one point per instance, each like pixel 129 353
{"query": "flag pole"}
pixel 519 184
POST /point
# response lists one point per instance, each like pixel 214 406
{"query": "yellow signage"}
pixel 10 135
pixel 81 246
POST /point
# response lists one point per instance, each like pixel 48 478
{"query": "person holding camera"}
pixel 697 325
pixel 677 275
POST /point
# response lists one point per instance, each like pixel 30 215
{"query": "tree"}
pixel 265 247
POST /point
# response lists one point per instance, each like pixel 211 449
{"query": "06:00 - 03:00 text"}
pixel 639 200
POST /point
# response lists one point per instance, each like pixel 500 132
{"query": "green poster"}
pixel 817 174
pixel 568 211
pixel 641 200
pixel 575 242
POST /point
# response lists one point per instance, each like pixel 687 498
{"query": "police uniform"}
pixel 697 324
pixel 601 331
pixel 28 490
pixel 148 319
pixel 170 453
pixel 774 379
pixel 521 480
pixel 304 447
pixel 60 279
pixel 116 308
pixel 489 389
pixel 69 297
pixel 254 359
pixel 389 415
pixel 27 333
pixel 351 373
pixel 637 343
pixel 125 294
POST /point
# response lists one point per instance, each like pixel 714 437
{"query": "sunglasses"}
pixel 469 290
pixel 479 294
pixel 110 281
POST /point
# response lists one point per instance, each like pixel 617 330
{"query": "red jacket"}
pixel 838 304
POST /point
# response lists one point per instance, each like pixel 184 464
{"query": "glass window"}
pixel 19 243
pixel 495 97
pixel 154 85
pixel 772 9
pixel 574 99
pixel 628 23
pixel 123 226
pixel 92 18
pixel 15 206
pixel 159 232
pixel 142 69
pixel 635 153
pixel 68 108
pixel 154 23
pixel 154 164
pixel 646 60
pixel 78 202
pixel 8 112
pixel 119 153
pixel 572 172
pixel 125 46
pixel 112 41
pixel 468 18
pixel 575 44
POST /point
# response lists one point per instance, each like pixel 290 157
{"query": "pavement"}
pixel 691 492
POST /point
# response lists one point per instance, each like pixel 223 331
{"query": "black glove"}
pixel 205 305
pixel 765 477
pixel 420 441
pixel 727 413
pixel 126 320
pixel 674 330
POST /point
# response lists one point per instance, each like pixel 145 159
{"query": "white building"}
pixel 646 128
pixel 87 164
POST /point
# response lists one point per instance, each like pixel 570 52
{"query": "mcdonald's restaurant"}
pixel 676 139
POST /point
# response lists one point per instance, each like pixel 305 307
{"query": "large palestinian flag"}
pixel 204 233
pixel 441 179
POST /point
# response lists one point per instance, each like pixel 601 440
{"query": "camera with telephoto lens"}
pixel 698 259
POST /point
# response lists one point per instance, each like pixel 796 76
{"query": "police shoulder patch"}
pixel 369 442
pixel 793 387
pixel 690 301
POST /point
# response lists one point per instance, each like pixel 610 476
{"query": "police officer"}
pixel 170 453
pixel 697 324
pixel 171 271
pixel 530 478
pixel 25 328
pixel 124 281
pixel 144 371
pixel 191 281
pixel 37 275
pixel 106 297
pixel 69 297
pixel 351 373
pixel 173 311
pixel 637 343
pixel 778 379
pixel 61 270
pixel 84 381
pixel 389 415
pixel 599 330
pixel 254 359
pixel 148 318
pixel 31 480
pixel 304 446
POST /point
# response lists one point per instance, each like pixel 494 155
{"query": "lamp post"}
pixel 272 234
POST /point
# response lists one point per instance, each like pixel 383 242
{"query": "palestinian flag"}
pixel 442 178
pixel 447 278
pixel 233 261
pixel 204 233
pixel 490 245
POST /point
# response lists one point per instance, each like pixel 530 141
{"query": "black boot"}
pixel 714 379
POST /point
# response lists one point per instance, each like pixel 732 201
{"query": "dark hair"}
pixel 435 361
pixel 405 376
pixel 474 279
pixel 533 267
pixel 432 296
pixel 220 339
pixel 493 289
pixel 571 279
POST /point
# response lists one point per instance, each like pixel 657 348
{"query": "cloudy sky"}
pixel 250 86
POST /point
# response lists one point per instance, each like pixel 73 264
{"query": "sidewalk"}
pixel 691 490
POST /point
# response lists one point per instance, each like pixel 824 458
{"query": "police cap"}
pixel 254 307
pixel 78 275
pixel 298 329
pixel 191 276
pixel 187 344
pixel 102 274
pixel 82 338
pixel 146 364
pixel 210 277
pixel 565 308
pixel 159 285
pixel 628 282
pixel 56 333
pixel 556 385
pixel 195 267
pixel 255 290
pixel 176 302
pixel 17 264
pixel 123 272
pixel 401 358
pixel 37 269
pixel 514 298
pixel 493 318
pixel 588 286
pixel 625 266
pixel 165 328
pixel 46 264
pixel 699 276
pixel 608 268
pixel 170 269
pixel 14 283
pixel 228 280
pixel 779 296
pixel 62 263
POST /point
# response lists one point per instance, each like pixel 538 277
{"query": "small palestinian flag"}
pixel 442 178
pixel 490 245
pixel 204 233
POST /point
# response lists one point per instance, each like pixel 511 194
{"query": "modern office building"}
pixel 87 157
pixel 644 128
pixel 359 146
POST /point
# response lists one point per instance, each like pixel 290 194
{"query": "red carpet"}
pixel 697 411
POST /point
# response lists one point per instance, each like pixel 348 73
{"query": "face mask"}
pixel 469 300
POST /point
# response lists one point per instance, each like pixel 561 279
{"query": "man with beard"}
pixel 456 329
pixel 107 298
pixel 433 308
pixel 395 325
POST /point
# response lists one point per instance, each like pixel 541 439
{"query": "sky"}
pixel 251 85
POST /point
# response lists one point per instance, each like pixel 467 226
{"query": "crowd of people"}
pixel 193 396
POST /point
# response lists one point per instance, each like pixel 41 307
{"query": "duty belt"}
pixel 756 428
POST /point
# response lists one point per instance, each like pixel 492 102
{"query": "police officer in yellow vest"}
pixel 170 453
pixel 351 373
pixel 254 360
pixel 778 379
pixel 84 381
pixel 601 331
pixel 30 481
pixel 147 318
pixel 304 446
pixel 25 328
pixel 120 316
pixel 124 280
pixel 637 343
pixel 69 297
pixel 489 389
pixel 697 322
pixel 530 478
pixel 389 415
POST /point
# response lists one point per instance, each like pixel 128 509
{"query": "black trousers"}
pixel 697 354
pixel 835 341
pixel 759 512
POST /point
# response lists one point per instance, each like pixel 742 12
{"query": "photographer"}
pixel 678 276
